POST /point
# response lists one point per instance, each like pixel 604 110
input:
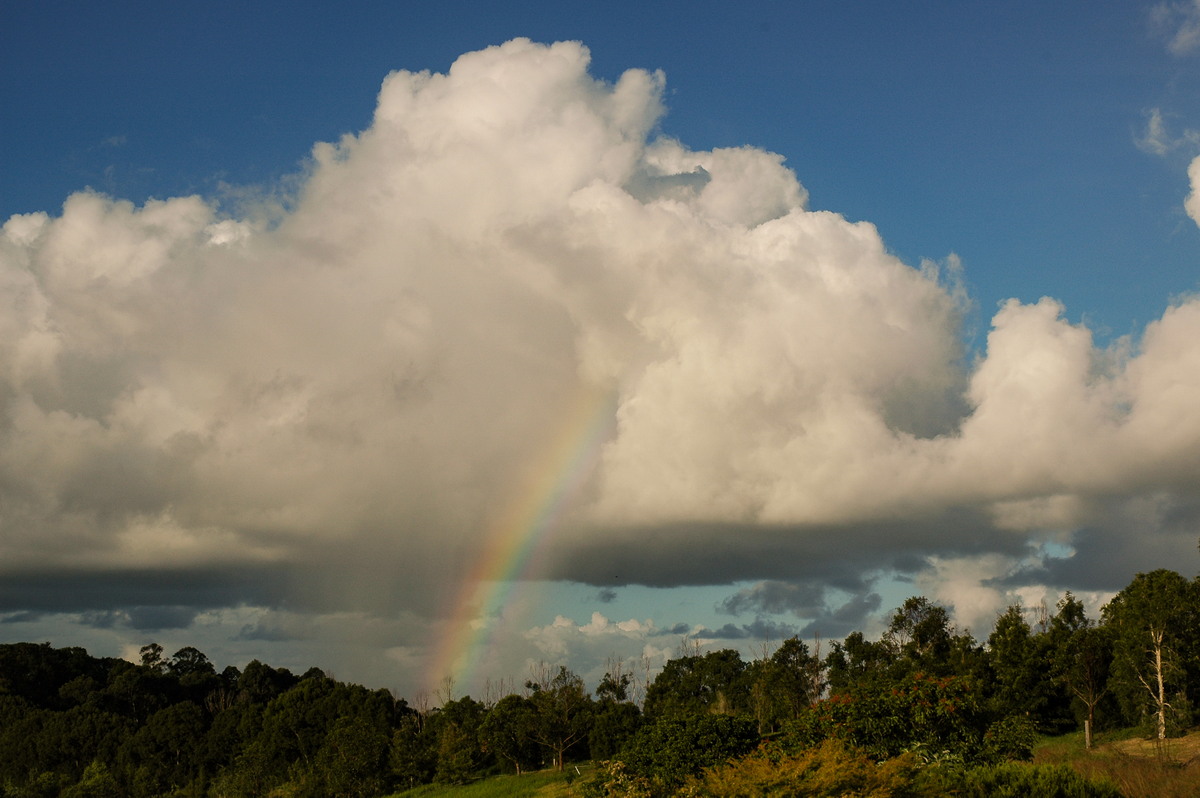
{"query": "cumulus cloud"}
pixel 327 408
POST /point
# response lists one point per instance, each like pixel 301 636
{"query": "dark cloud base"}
pixel 674 555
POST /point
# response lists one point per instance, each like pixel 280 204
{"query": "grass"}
pixel 540 784
pixel 1140 768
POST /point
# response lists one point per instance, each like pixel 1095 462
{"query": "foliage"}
pixel 939 715
pixel 612 724
pixel 831 770
pixel 615 778
pixel 669 750
pixel 1010 738
pixel 698 684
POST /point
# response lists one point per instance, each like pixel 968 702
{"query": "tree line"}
pixel 79 726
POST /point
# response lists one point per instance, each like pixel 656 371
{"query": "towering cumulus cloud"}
pixel 328 410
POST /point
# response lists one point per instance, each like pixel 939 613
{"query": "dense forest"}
pixel 923 695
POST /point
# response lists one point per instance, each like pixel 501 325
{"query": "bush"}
pixel 832 770
pixel 1010 738
pixel 672 749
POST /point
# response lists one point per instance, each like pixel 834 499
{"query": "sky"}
pixel 429 343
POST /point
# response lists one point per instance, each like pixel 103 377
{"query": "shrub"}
pixel 671 749
pixel 831 770
pixel 1010 738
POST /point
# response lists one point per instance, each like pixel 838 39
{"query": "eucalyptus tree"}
pixel 1153 626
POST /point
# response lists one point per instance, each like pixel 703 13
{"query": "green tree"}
pixel 1153 623
pixel 920 635
pixel 352 761
pixel 713 682
pixel 562 710
pixel 1016 669
pixel 459 756
pixel 940 715
pixel 508 731
pixel 1082 657
pixel 614 718
pixel 152 658
pixel 784 685
pixel 413 757
pixel 96 782
pixel 189 660
pixel 858 662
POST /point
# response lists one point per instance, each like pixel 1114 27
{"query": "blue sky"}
pixel 1025 150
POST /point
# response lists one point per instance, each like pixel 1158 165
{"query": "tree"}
pixel 1153 625
pixel 614 718
pixel 163 753
pixel 1084 668
pixel 784 685
pixel 412 758
pixel 352 760
pixel 613 688
pixel 695 684
pixel 920 635
pixel 189 660
pixel 508 732
pixel 455 727
pixel 939 714
pixel 562 709
pixel 857 661
pixel 1016 672
pixel 152 657
pixel 259 683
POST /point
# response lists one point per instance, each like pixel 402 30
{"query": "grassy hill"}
pixel 1140 768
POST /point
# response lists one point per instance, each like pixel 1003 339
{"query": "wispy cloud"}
pixel 1179 24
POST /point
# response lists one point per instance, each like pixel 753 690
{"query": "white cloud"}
pixel 1192 203
pixel 596 646
pixel 349 397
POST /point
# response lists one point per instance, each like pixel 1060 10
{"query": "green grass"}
pixel 542 784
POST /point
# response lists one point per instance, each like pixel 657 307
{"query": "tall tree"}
pixel 562 708
pixel 785 685
pixel 1016 671
pixel 615 718
pixel 920 635
pixel 1153 626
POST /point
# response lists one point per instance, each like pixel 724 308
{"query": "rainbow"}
pixel 515 540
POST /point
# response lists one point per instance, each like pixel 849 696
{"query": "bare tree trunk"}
pixel 1157 637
